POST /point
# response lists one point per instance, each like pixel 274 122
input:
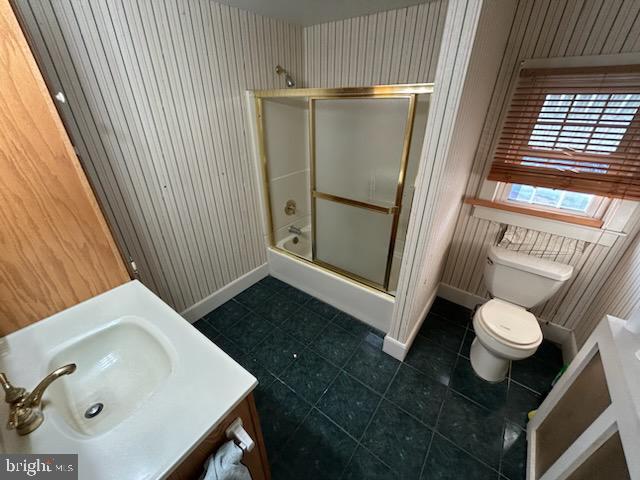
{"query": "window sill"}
pixel 560 217
pixel 566 225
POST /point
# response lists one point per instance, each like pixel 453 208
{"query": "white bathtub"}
pixel 298 244
pixel 371 306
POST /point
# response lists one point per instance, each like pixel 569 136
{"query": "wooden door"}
pixel 56 249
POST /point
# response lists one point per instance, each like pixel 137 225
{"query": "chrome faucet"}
pixel 25 409
pixel 295 230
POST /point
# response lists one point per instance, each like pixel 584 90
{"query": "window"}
pixel 575 122
pixel 550 199
pixel 571 137
pixel 594 123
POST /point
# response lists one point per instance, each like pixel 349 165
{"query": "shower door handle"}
pixel 356 203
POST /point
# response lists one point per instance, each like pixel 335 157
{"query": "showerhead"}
pixel 290 82
pixel 287 77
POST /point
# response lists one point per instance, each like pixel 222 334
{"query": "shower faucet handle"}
pixel 290 207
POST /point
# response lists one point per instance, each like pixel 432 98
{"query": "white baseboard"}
pixel 561 336
pixel 393 347
pixel 398 349
pixel 555 333
pixel 461 297
pixel 569 348
pixel 552 332
pixel 225 294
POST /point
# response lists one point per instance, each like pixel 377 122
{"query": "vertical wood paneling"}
pixel 543 28
pixel 618 290
pixel 155 107
pixel 397 46
pixel 474 38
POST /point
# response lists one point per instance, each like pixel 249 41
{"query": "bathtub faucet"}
pixel 295 230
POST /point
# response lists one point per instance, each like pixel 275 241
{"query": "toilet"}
pixel 505 330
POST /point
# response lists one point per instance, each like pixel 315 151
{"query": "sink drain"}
pixel 94 410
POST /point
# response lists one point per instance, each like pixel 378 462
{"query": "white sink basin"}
pixel 162 384
pixel 119 367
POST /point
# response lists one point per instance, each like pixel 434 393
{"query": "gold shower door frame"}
pixel 313 94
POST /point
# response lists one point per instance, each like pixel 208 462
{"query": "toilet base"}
pixel 488 366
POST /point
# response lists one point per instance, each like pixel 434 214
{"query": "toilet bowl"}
pixel 504 332
pixel 505 329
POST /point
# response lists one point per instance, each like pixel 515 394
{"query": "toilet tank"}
pixel 523 279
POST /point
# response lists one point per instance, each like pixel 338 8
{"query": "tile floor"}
pixel 334 406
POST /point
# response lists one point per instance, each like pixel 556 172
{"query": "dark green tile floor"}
pixel 334 406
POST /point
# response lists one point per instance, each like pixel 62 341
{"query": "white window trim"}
pixel 617 213
pixel 615 219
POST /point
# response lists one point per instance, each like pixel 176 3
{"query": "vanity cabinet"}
pixel 57 249
pixel 588 427
pixel 256 460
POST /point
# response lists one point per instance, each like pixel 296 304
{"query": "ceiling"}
pixel 312 12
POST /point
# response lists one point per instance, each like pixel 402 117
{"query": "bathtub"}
pixel 298 244
pixel 372 307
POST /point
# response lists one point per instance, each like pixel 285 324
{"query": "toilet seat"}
pixel 509 324
pixel 504 332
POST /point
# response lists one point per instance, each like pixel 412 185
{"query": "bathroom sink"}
pixel 119 367
pixel 150 384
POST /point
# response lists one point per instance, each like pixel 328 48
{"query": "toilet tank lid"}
pixel 531 264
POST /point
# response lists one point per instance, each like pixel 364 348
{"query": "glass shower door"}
pixel 359 154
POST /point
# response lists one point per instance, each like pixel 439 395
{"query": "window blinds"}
pixel 573 129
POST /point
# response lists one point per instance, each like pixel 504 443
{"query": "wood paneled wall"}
pixel 155 110
pixel 397 46
pixel 441 173
pixel 544 29
pixel 55 247
pixel 619 292
pixel 155 107
pixel 475 33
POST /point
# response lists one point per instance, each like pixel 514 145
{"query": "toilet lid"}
pixel 510 322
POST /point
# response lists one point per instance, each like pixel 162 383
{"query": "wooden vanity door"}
pixel 256 460
pixel 56 249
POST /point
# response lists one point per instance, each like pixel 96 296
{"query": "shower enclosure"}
pixel 338 167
